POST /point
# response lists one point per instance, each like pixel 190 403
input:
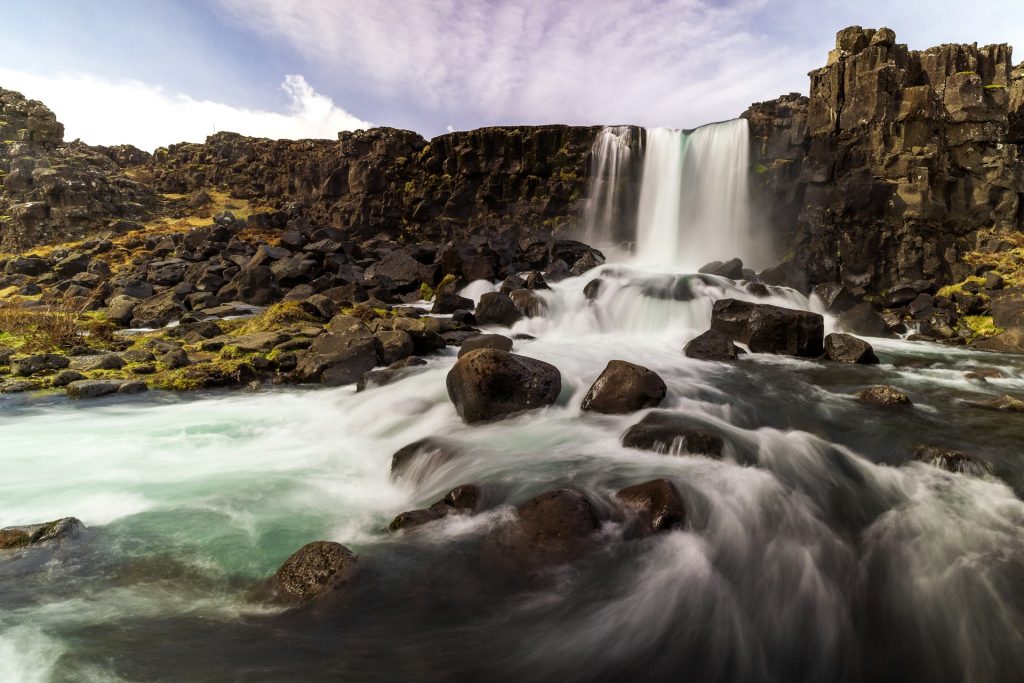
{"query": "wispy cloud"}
pixel 653 62
pixel 106 112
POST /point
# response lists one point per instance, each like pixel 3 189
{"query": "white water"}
pixel 693 205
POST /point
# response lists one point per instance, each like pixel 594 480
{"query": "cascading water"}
pixel 693 203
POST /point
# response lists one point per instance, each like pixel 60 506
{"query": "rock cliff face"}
pixel 897 163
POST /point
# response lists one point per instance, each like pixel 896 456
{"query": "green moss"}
pixel 950 290
pixel 221 372
pixel 426 291
pixel 760 169
pixel 981 325
pixel 995 87
pixel 966 73
pixel 275 317
pixel 424 153
pixel 410 187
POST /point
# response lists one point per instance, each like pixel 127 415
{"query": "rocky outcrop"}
pixel 886 172
pixel 769 329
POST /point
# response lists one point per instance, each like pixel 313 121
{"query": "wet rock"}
pixel 950 460
pixel 40 362
pixel 862 319
pixel 883 395
pixel 1005 402
pixel 671 433
pixel 528 304
pixel 313 570
pixel 769 329
pixel 340 356
pixel 655 506
pixel 94 388
pixel 38 534
pixel 593 289
pixel 417 460
pixel 624 387
pixel 845 348
pixel 106 361
pixel 394 345
pixel 488 384
pixel 557 526
pixel 836 297
pixel 485 341
pixel 711 345
pixel 732 269
pixel 496 308
pixel 449 302
pixel 464 499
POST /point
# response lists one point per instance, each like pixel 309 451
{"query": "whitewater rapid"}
pixel 815 551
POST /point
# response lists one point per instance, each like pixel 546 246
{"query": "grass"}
pixel 40 329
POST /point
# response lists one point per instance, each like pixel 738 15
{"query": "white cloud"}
pixel 651 62
pixel 101 112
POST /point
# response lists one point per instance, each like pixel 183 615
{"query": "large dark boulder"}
pixel 496 308
pixel 38 534
pixel 711 345
pixel 341 355
pixel 732 269
pixel 488 384
pixel 672 433
pixel 625 387
pixel 314 569
pixel 449 302
pixel 654 506
pixel 845 348
pixel 253 285
pixel 862 319
pixel 557 526
pixel 769 329
pixel 485 341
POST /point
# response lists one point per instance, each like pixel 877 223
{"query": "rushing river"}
pixel 815 551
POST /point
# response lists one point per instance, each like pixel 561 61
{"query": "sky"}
pixel 156 72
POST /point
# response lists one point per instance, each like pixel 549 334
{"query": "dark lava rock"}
pixel 883 395
pixel 313 570
pixel 556 526
pixel 862 319
pixel 496 308
pixel 30 365
pixel 529 304
pixel 835 296
pixel 485 341
pixel 394 345
pixel 37 534
pixel 769 329
pixel 592 290
pixel 464 499
pixel 711 345
pixel 340 356
pixel 844 348
pixel 672 433
pixel 625 387
pixel 488 384
pixel 416 460
pixel 66 377
pixel 94 388
pixel 950 460
pixel 656 505
pixel 449 302
pixel 732 269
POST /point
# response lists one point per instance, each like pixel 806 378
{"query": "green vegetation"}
pixel 760 169
pixel 950 290
pixel 981 326
pixel 995 87
pixel 275 317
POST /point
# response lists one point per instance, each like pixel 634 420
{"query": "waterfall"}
pixel 692 206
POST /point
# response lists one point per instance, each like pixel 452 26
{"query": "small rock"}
pixel 883 395
pixel 415 461
pixel 845 348
pixel 30 365
pixel 94 388
pixel 625 387
pixel 862 319
pixel 671 433
pixel 462 499
pixel 19 386
pixel 1005 402
pixel 106 361
pixel 66 377
pixel 449 302
pixel 732 269
pixel 950 460
pixel 314 569
pixel 656 505
pixel 711 345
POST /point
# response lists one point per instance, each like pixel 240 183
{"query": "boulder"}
pixel 624 387
pixel 394 345
pixel 341 355
pixel 732 269
pixel 862 319
pixel 711 345
pixel 103 361
pixel 485 341
pixel 883 395
pixel 496 308
pixel 38 534
pixel 40 362
pixel 556 526
pixel 94 388
pixel 489 384
pixel 66 377
pixel 845 348
pixel 415 461
pixel 950 460
pixel 674 434
pixel 121 309
pixel 253 285
pixel 769 329
pixel 449 302
pixel 654 506
pixel 313 570
pixel 157 310
pixel 835 296
pixel 527 303
pixel 464 499
pixel 1005 402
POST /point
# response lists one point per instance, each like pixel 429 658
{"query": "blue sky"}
pixel 154 72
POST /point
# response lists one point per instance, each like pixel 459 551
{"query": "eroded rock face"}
pixel 314 569
pixel 488 384
pixel 624 387
pixel 769 329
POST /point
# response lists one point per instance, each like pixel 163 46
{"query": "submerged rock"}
pixel 950 460
pixel 711 345
pixel 845 348
pixel 37 534
pixel 485 341
pixel 665 432
pixel 1005 402
pixel 883 395
pixel 488 384
pixel 313 570
pixel 769 329
pixel 656 505
pixel 625 387
pixel 415 461
pixel 464 499
pixel 554 527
